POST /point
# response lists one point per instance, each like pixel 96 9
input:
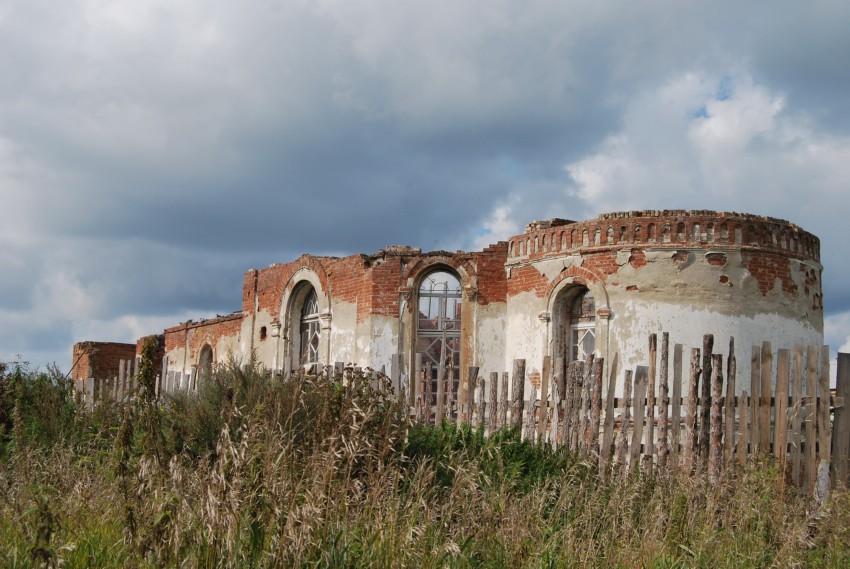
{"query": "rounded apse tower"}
pixel 606 284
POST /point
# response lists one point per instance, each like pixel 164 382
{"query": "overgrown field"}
pixel 268 472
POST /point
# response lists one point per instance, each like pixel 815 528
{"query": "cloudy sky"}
pixel 151 151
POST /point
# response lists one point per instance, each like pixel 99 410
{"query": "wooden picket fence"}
pixel 666 415
pixel 121 387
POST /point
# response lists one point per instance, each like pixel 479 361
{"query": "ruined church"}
pixel 561 288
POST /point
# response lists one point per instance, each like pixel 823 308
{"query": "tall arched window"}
pixel 309 330
pixel 205 362
pixel 582 326
pixel 438 323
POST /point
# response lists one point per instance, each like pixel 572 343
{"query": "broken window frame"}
pixel 440 293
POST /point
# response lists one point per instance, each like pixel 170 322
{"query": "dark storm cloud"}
pixel 151 152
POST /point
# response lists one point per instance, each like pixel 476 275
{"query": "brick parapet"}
pixel 666 229
pixel 99 359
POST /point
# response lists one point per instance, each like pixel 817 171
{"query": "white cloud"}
pixel 499 225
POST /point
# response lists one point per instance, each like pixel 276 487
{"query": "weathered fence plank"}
pixel 676 423
pixel 716 416
pixel 639 404
pixel 479 404
pixel 797 412
pixel 493 405
pixel 811 417
pixel 744 438
pixel 649 447
pixel 529 415
pixel 824 427
pixel 755 398
pixel 622 443
pixel 764 394
pixel 516 395
pixel 841 432
pixel 780 427
pixel 691 418
pixel 595 405
pixel 729 404
pixel 544 397
pixel 663 449
pixel 705 398
pixel 505 402
pixel 608 430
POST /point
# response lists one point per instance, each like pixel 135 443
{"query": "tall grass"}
pixel 258 471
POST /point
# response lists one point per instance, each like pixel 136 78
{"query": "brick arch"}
pixel 579 275
pixel 422 266
pixel 312 264
pixel 206 340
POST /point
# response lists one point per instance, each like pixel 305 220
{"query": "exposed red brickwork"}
pixel 527 279
pixel 193 335
pixel 716 259
pixel 581 275
pixel 491 276
pixel 766 268
pixel 100 359
pixel 637 259
pixel 346 277
pixel 668 228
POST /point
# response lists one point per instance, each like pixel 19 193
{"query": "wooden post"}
pixel 841 432
pixel 705 403
pixel 544 398
pixel 518 388
pixel 797 411
pixel 504 401
pixel 529 415
pixel 608 432
pixel 479 406
pixel 427 389
pixel 675 431
pixel 585 403
pixel 416 384
pixel 493 406
pixel 716 416
pixel 556 414
pixel 691 418
pixel 663 448
pixel 780 420
pixel 471 380
pixel 743 439
pixel 639 404
pixel 557 398
pixel 755 398
pixel 649 447
pixel 396 362
pixel 121 376
pixel 595 405
pixel 729 401
pixel 441 382
pixel 824 427
pixel 451 392
pixel 766 389
pixel 623 441
pixel 571 407
pixel 811 418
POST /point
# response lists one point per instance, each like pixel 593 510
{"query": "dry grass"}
pixel 268 472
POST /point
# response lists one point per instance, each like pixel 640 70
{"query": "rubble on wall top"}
pixel 400 250
pixel 538 224
pixel 692 213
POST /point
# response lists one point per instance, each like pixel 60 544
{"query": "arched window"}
pixel 582 320
pixel 309 330
pixel 438 324
pixel 205 362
